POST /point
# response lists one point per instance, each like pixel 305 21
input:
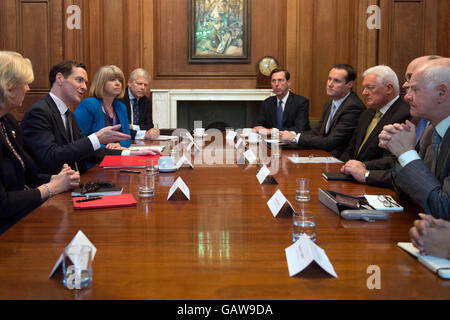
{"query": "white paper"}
pixel 182 160
pixel 314 160
pixel 250 156
pixel 262 174
pixel 378 205
pixel 164 138
pixel 239 142
pixel 179 183
pixel 79 239
pixel 231 135
pixel 277 202
pixel 304 251
pixel 138 147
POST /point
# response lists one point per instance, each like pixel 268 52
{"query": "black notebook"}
pixel 337 176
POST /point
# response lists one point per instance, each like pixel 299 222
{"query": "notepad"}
pixel 440 266
pixel 121 200
pixel 126 161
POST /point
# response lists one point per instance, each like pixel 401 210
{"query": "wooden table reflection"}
pixel 222 244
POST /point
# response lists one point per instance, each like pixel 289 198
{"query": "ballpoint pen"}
pixel 129 171
pixel 89 199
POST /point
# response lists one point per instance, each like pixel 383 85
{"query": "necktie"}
pixel 436 141
pixel 280 114
pixel 371 126
pixel 135 111
pixel 330 118
pixel 420 128
pixel 70 131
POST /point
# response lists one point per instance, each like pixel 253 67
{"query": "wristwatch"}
pixel 295 138
pixel 366 175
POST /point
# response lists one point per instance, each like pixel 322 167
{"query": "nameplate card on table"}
pixel 179 191
pixel 240 143
pixel 231 135
pixel 114 201
pixel 314 160
pixel 303 252
pixel 439 266
pixel 125 161
pixel 79 239
pixel 183 161
pixel 264 176
pixel 189 147
pixel 279 205
pixel 250 156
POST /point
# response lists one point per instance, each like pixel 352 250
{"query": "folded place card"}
pixel 250 156
pixel 189 147
pixel 239 143
pixel 179 191
pixel 79 239
pixel 304 251
pixel 279 205
pixel 231 135
pixel 183 160
pixel 264 176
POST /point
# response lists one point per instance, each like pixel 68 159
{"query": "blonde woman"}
pixel 103 108
pixel 22 189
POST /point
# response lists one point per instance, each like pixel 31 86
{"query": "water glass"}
pixel 303 223
pixel 152 167
pixel 146 185
pixel 302 189
pixel 77 267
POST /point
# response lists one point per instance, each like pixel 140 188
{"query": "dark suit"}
pixel 295 114
pixel 420 181
pixel 341 128
pixel 145 112
pixel 15 202
pixel 48 143
pixel 371 154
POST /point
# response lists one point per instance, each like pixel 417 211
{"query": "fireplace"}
pixel 236 108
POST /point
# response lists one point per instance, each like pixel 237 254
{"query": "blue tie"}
pixel 135 111
pixel 419 129
pixel 280 114
pixel 330 118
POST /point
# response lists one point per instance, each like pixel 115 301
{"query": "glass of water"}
pixel 146 185
pixel 303 223
pixel 77 267
pixel 303 189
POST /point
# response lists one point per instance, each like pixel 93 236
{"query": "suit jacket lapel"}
pixel 287 108
pixel 325 117
pixel 443 157
pixel 362 133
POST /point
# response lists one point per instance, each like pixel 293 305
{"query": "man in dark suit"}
pixel 51 133
pixel 285 110
pixel 424 176
pixel 139 106
pixel 339 118
pixel 381 95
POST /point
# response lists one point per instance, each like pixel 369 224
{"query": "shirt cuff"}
pixel 95 142
pixel 136 127
pixel 297 137
pixel 408 157
pixel 140 135
pixel 125 153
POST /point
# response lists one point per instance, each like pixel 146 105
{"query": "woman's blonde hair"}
pixel 104 74
pixel 14 70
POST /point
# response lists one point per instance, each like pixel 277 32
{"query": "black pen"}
pixel 89 199
pixel 129 171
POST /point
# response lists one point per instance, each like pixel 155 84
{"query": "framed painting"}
pixel 219 31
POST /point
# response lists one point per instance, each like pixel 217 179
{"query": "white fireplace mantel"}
pixel 164 101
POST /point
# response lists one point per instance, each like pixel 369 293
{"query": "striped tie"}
pixel 371 126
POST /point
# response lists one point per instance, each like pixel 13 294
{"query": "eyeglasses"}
pixel 387 201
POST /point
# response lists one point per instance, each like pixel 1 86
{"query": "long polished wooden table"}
pixel 224 243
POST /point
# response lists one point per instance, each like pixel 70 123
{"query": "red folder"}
pixel 126 161
pixel 119 200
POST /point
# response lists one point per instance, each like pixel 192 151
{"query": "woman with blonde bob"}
pixel 103 108
pixel 22 189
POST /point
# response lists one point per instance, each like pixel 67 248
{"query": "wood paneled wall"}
pixel 306 36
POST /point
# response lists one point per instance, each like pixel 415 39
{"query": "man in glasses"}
pixel 424 176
